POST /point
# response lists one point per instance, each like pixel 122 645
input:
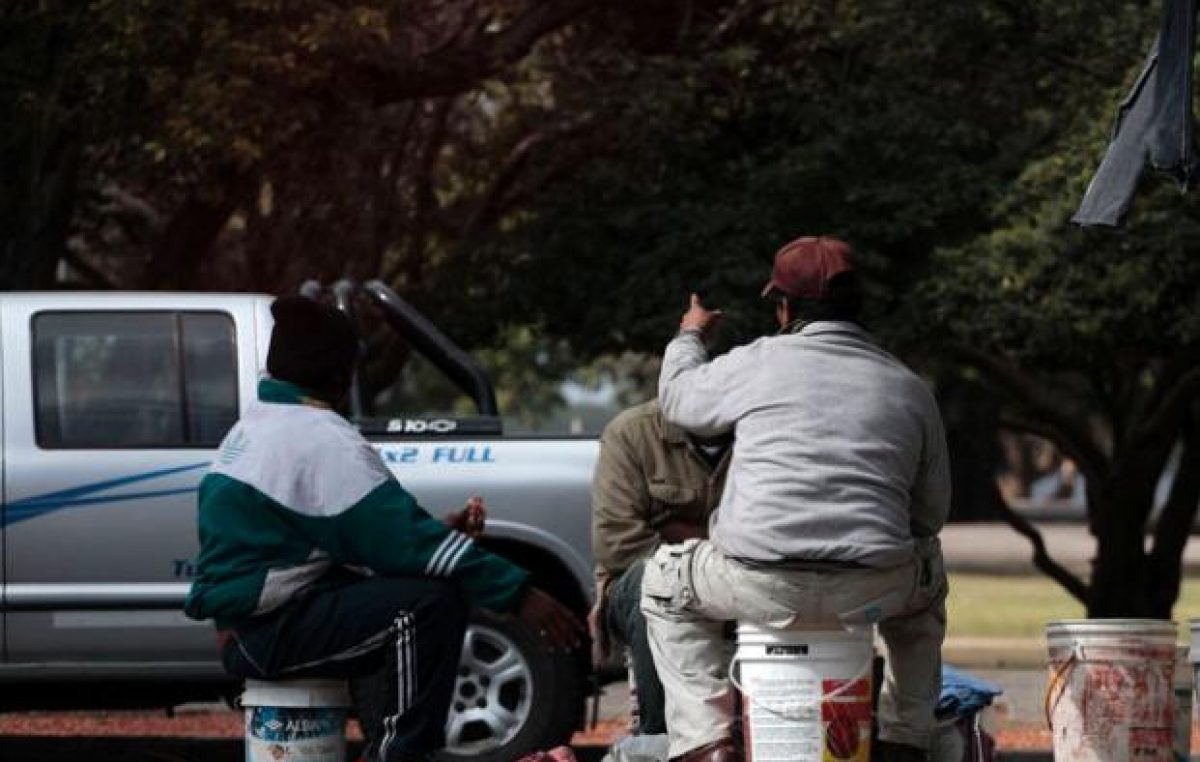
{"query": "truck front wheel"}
pixel 511 695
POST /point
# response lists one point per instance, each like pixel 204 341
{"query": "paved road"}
pixel 980 548
pixel 999 549
pixel 176 750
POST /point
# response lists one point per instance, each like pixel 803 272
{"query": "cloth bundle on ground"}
pixel 963 695
pixel 960 735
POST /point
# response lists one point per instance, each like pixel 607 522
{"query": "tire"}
pixel 512 695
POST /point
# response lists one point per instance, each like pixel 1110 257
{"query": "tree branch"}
pixel 1168 375
pixel 1070 432
pixel 393 76
pixel 192 229
pixel 1173 529
pixel 735 18
pixel 1175 404
pixel 425 200
pixel 1105 379
pixel 387 182
pixel 493 200
pixel 119 201
pixel 1041 558
pixel 73 255
pixel 1048 431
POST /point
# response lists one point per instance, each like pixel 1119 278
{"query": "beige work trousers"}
pixel 689 590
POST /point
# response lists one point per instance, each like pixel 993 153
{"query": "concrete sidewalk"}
pixel 997 548
pixel 208 750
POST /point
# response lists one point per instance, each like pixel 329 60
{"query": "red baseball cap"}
pixel 804 267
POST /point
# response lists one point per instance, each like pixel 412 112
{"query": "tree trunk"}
pixel 1042 559
pixel 1121 571
pixel 192 231
pixel 1174 526
pixel 974 496
pixel 35 235
pixel 186 242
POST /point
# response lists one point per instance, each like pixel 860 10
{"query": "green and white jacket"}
pixel 296 492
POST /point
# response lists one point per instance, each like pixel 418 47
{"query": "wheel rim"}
pixel 493 693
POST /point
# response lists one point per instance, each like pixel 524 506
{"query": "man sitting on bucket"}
pixel 315 562
pixel 653 484
pixel 837 489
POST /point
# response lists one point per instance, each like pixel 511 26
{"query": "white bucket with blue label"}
pixel 296 720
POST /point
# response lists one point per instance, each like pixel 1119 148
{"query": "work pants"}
pixel 397 641
pixel 623 617
pixel 689 590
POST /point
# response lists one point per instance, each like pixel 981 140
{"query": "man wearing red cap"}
pixel 837 489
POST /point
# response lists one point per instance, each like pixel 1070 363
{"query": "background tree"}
pixel 555 176
pixel 261 143
pixel 973 138
pixel 1090 340
pixel 804 117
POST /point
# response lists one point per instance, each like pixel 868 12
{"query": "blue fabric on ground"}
pixel 963 694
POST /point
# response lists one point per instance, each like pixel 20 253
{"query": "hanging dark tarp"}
pixel 1154 123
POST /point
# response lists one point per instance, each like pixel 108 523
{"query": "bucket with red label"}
pixel 1111 690
pixel 806 694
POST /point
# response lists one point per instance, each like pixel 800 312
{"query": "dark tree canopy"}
pixel 950 145
pixel 555 176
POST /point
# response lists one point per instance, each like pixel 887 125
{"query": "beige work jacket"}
pixel 648 473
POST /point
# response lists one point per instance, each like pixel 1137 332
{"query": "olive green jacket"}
pixel 648 473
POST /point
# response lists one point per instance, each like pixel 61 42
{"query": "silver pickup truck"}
pixel 111 405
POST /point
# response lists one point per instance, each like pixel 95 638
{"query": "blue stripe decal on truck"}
pixel 38 505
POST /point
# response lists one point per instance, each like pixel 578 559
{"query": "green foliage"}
pixel 1056 296
pixel 896 125
pixel 1087 337
pixel 380 131
pixel 949 143
pixel 525 368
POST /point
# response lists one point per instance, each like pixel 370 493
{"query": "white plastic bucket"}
pixel 1184 681
pixel 1111 694
pixel 296 720
pixel 806 694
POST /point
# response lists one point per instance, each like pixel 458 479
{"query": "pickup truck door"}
pixel 112 417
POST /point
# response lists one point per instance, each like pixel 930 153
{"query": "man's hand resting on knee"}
pixel 552 621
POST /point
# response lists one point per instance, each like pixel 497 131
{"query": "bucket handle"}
pixel 864 671
pixel 1058 683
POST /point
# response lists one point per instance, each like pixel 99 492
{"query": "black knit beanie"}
pixel 313 346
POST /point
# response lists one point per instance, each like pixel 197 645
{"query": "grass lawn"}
pixel 986 606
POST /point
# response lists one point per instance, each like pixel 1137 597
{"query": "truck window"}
pixel 133 379
pixel 418 390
